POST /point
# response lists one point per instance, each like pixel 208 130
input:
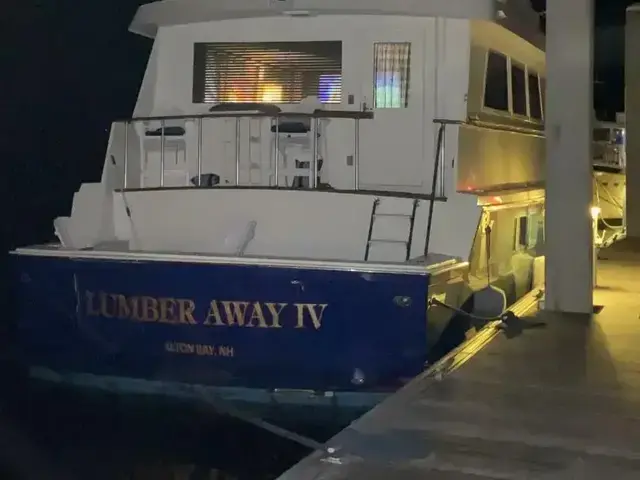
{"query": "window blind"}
pixel 267 72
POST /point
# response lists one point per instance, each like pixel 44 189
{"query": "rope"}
pixel 435 301
pixel 509 321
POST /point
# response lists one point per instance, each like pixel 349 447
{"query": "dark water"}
pixel 63 433
pixel 58 432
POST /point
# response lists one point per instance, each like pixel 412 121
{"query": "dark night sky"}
pixel 72 67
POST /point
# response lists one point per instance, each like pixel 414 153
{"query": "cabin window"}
pixel 521 233
pixel 267 72
pixel 536 231
pixel 529 232
pixel 496 90
pixel 535 107
pixel 391 69
pixel 518 89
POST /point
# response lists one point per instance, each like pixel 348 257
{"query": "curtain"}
pixel 391 74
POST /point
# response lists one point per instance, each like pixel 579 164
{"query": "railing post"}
pixel 276 149
pixel 443 159
pixel 200 151
pixel 162 124
pixel 434 183
pixel 314 166
pixel 126 154
pixel 238 151
pixel 356 155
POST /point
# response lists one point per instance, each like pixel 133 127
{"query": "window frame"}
pixel 524 68
pixel 485 82
pixel 543 95
pixel 532 72
pixel 532 221
pixel 510 111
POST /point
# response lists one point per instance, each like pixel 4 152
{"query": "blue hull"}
pixel 240 329
pixel 292 409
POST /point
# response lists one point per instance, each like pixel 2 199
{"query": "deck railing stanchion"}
pixel 442 160
pixel 199 152
pixel 162 124
pixel 237 150
pixel 438 156
pixel 126 154
pixel 276 149
pixel 314 166
pixel 356 155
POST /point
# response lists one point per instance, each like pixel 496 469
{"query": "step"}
pixel 382 240
pixel 402 215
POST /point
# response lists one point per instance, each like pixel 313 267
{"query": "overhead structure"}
pixel 569 190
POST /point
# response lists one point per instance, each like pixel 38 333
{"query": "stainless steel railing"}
pixel 440 167
pixel 438 185
pixel 314 118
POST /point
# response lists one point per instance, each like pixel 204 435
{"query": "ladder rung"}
pixel 403 215
pixel 380 240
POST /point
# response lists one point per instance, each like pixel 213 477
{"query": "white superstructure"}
pixel 396 88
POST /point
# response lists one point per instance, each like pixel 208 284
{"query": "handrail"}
pixel 448 121
pixel 318 113
pixel 377 193
pixel 434 182
pixel 315 116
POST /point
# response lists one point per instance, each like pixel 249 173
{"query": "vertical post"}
pixel 276 148
pixel 162 124
pixel 126 154
pixel 568 122
pixel 356 155
pixel 238 151
pixel 632 121
pixel 624 213
pixel 442 160
pixel 595 213
pixel 200 151
pixel 314 166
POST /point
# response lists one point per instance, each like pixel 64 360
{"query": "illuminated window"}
pixel 496 90
pixel 391 70
pixel 330 88
pixel 267 72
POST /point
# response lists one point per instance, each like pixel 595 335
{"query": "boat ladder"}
pixel 375 215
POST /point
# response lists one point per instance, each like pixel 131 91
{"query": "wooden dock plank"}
pixel 557 402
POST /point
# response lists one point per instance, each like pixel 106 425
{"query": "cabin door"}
pixel 392 149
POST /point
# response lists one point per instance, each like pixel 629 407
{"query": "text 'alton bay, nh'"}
pixel 217 313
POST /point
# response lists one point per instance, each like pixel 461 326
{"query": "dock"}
pixel 561 401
